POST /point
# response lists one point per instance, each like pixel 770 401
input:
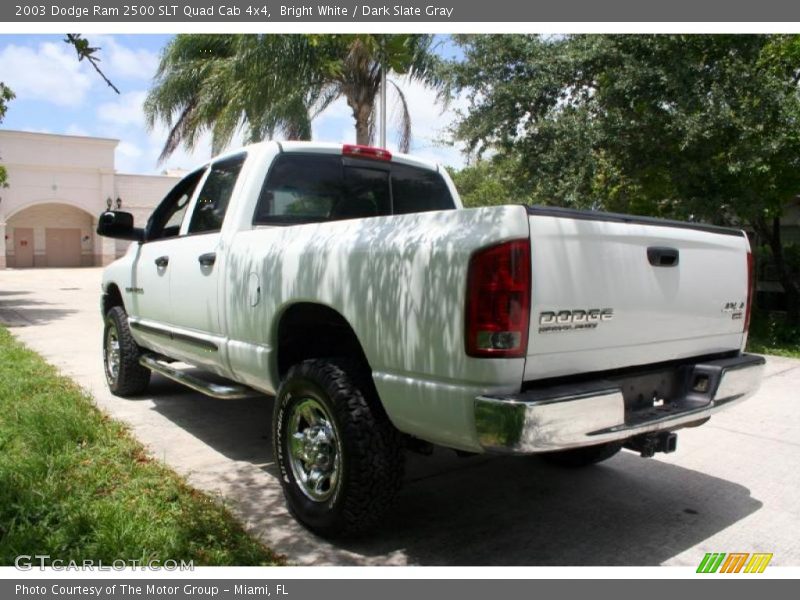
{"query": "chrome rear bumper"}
pixel 584 414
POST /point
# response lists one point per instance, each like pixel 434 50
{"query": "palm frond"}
pixel 404 120
pixel 267 84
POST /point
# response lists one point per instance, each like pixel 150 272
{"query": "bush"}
pixel 770 334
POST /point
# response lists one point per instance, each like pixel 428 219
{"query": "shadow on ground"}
pixel 18 311
pixel 480 510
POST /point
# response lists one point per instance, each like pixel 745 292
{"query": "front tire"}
pixel 583 457
pixel 340 458
pixel 124 375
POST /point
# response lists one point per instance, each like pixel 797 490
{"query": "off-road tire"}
pixel 583 457
pixel 130 378
pixel 370 448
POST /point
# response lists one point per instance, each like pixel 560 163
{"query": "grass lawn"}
pixel 75 485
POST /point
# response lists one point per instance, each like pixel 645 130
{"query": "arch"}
pixel 50 233
pixel 36 203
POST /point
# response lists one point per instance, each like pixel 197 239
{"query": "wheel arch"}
pixel 112 296
pixel 306 330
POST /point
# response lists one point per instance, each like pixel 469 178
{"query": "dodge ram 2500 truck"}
pixel 354 287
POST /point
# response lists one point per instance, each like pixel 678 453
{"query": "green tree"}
pixel 269 84
pixel 6 96
pixel 690 126
pixel 490 182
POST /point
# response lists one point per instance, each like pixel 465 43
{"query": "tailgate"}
pixel 611 291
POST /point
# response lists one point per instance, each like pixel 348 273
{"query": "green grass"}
pixel 769 334
pixel 75 485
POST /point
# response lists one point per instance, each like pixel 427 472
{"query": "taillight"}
pixel 499 300
pixel 751 282
pixel 366 152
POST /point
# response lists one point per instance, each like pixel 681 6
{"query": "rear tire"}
pixel 340 458
pixel 583 457
pixel 124 374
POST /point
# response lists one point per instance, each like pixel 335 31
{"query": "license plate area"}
pixel 659 393
pixel 651 389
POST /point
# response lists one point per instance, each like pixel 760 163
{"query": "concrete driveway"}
pixel 731 487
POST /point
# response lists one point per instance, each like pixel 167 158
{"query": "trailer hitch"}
pixel 648 444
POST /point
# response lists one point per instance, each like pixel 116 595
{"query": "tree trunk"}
pixel 771 233
pixel 298 131
pixel 362 113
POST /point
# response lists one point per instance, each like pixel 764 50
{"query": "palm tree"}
pixel 277 84
pixel 219 83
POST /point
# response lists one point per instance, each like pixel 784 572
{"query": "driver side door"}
pixel 149 311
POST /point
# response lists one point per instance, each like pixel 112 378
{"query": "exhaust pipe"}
pixel 648 444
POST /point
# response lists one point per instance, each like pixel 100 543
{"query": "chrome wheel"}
pixel 314 450
pixel 124 375
pixel 339 457
pixel 112 353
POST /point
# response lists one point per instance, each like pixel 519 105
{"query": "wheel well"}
pixel 309 330
pixel 111 298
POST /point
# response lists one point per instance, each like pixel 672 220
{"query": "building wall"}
pixel 62 181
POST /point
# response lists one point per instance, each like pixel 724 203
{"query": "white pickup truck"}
pixel 383 316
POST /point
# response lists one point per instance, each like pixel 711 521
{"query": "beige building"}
pixel 57 187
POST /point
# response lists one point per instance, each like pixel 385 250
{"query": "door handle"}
pixel 660 256
pixel 207 259
pixel 162 261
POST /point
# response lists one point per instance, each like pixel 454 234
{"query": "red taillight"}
pixel 499 300
pixel 751 282
pixel 366 152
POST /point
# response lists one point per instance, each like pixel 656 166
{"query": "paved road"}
pixel 732 486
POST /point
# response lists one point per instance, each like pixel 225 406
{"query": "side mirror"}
pixel 118 224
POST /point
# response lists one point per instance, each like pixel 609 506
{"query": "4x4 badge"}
pixel 736 309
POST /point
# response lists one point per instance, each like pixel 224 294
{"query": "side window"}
pixel 168 216
pixel 173 224
pixel 212 202
pixel 300 188
pixel 418 190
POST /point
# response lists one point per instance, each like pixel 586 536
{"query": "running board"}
pixel 215 390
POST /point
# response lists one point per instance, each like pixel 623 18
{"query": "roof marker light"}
pixel 357 150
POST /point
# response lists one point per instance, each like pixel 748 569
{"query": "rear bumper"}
pixel 594 412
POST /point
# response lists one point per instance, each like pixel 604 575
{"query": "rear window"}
pixel 308 188
pixel 418 190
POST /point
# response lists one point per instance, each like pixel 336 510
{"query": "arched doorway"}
pixel 50 234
